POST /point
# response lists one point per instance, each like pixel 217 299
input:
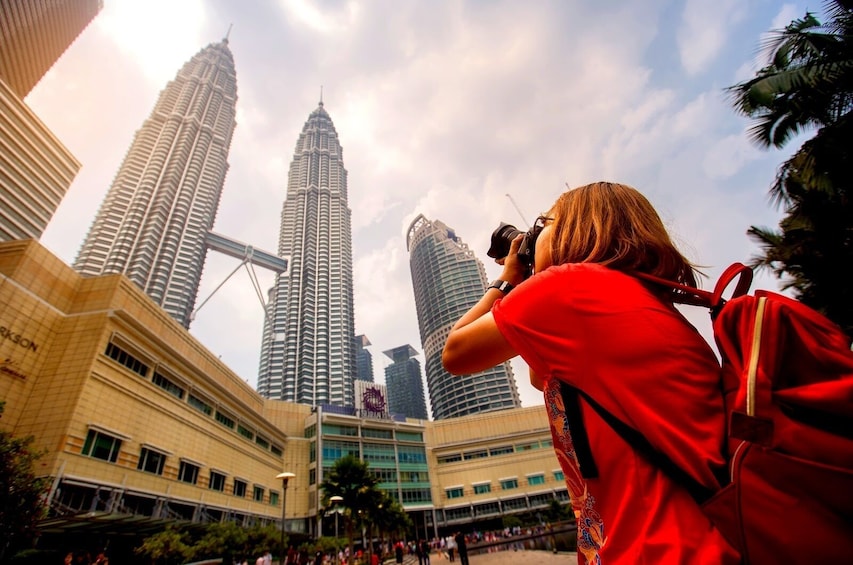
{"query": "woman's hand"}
pixel 514 270
pixel 475 343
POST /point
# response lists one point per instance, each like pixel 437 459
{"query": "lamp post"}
pixel 284 478
pixel 335 500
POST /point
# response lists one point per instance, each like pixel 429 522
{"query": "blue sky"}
pixel 442 108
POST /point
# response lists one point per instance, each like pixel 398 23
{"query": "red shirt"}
pixel 607 334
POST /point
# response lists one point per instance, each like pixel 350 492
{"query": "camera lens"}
pixel 501 240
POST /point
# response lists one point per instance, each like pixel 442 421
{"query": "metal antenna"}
pixel 518 210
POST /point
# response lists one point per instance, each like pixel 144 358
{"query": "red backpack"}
pixel 787 379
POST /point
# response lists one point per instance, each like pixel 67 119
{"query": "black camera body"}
pixel 502 239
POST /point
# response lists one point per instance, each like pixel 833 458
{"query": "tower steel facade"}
pixel 448 280
pixel 404 383
pixel 153 221
pixel 308 347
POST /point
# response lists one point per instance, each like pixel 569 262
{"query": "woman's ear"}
pixel 542 256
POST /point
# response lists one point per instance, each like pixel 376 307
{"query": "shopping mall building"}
pixel 142 426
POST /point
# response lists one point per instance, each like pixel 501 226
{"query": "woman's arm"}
pixel 475 343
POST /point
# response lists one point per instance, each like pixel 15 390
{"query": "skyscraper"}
pixel 35 33
pixel 448 279
pixel 404 384
pixel 153 221
pixel 35 168
pixel 363 359
pixel 308 348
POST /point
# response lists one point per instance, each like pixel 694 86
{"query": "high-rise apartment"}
pixel 404 383
pixel 35 169
pixel 308 348
pixel 153 221
pixel 363 359
pixel 448 280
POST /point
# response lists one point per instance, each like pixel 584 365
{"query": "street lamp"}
pixel 335 500
pixel 284 478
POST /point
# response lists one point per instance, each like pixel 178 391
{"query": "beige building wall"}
pixel 474 460
pixel 59 384
pixel 72 350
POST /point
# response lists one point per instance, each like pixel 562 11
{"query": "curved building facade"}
pixel 153 221
pixel 308 348
pixel 448 280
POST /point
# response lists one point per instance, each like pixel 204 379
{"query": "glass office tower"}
pixel 448 280
pixel 404 383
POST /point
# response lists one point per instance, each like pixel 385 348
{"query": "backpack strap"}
pixel 632 437
pixel 686 294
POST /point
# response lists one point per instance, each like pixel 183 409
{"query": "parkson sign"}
pixel 16 338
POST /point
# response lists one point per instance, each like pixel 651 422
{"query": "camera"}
pixel 502 238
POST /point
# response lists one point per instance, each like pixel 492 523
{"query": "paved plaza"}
pixel 523 557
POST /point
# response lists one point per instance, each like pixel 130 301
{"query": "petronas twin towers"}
pixel 154 225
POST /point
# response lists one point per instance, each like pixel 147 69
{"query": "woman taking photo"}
pixel 583 321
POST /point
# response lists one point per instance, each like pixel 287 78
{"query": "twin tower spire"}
pixel 154 224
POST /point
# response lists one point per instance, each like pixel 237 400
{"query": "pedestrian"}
pixel 461 548
pixel 398 552
pixel 450 543
pixel 267 558
pixel 583 321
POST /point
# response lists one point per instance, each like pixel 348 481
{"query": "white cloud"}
pixel 705 29
pixel 442 109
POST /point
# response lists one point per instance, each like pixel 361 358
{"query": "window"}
pixel 559 476
pixel 273 498
pixel 449 458
pixel 276 450
pixel 410 436
pixel 258 494
pixel 482 488
pixel 455 492
pixel 167 385
pixel 151 461
pixel 188 472
pixel 217 481
pixel 504 450
pixel 199 404
pixel 225 420
pixel 378 434
pixel 509 484
pixel 245 432
pixel 239 488
pixel 479 454
pixel 536 479
pixel 312 476
pixel 411 454
pixel 120 355
pixel 262 441
pixel 101 446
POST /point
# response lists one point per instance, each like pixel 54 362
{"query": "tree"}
pixel 22 494
pixel 221 539
pixel 169 546
pixel 350 479
pixel 807 84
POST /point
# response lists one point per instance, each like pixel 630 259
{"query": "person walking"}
pixel 461 548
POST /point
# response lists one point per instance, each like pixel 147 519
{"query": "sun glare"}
pixel 160 35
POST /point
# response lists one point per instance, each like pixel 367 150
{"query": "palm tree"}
pixel 808 85
pixel 350 479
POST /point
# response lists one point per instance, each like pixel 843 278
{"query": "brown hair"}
pixel 616 226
